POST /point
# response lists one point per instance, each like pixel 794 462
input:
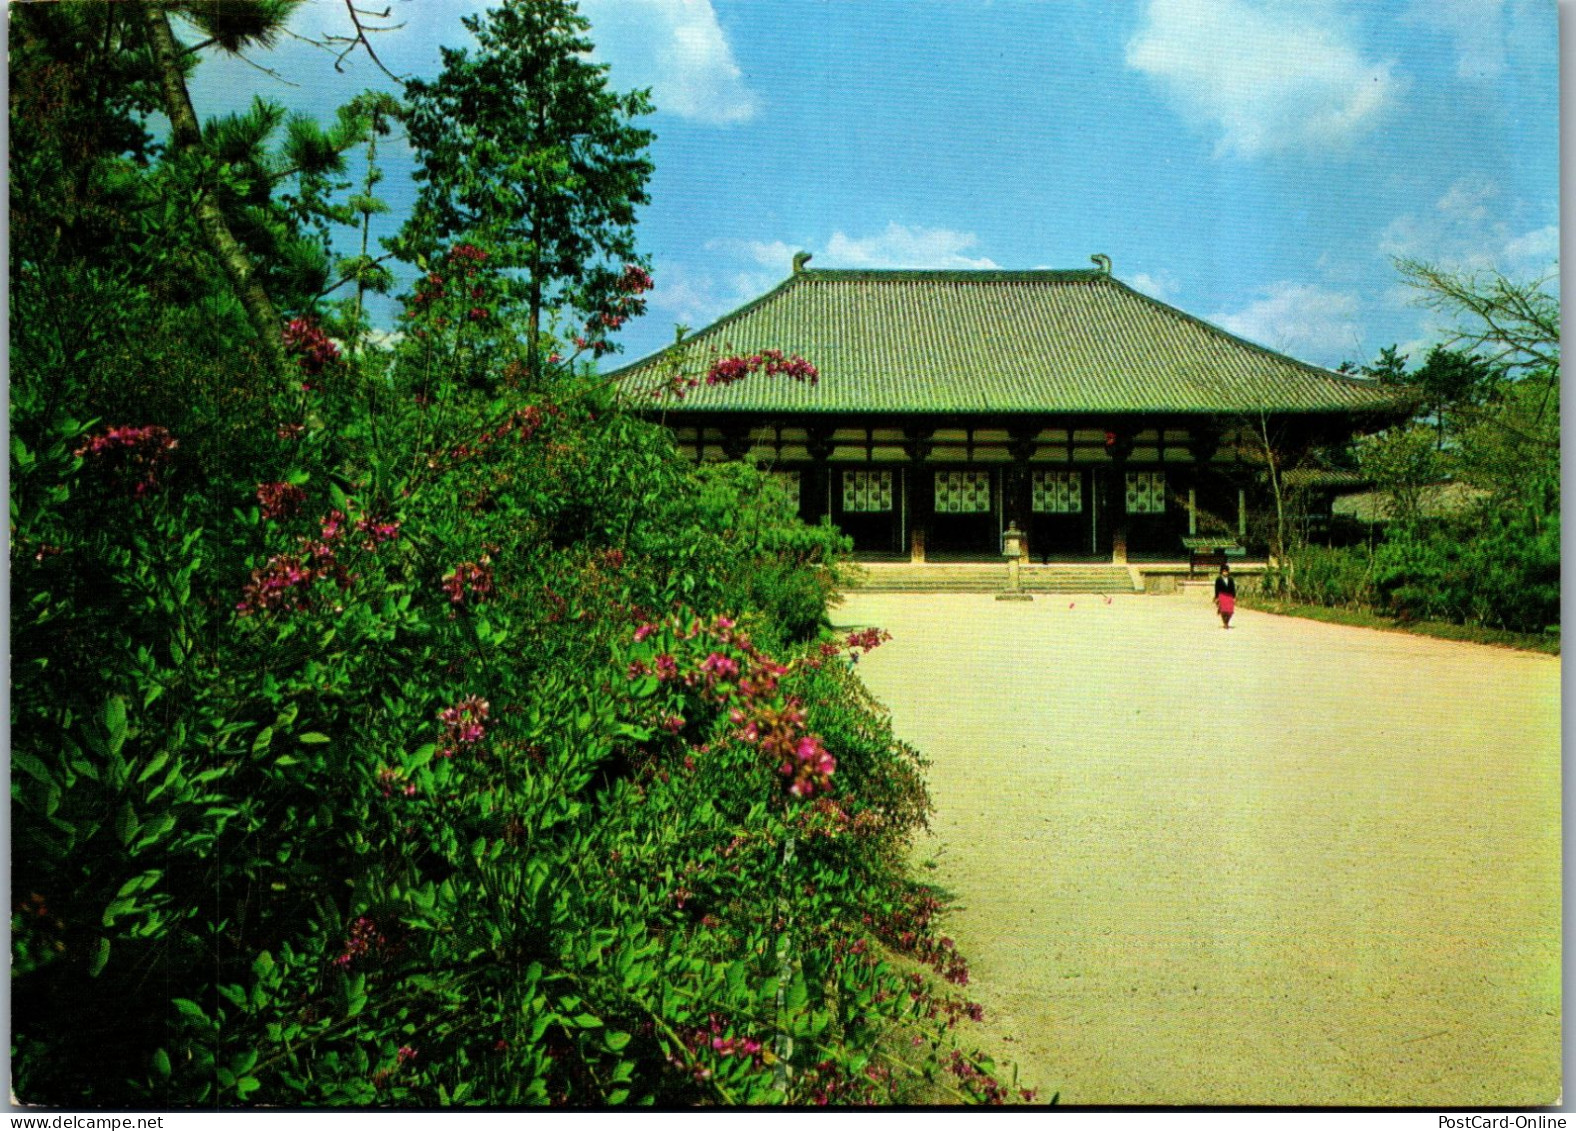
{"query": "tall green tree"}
pixel 1452 384
pixel 1389 368
pixel 522 145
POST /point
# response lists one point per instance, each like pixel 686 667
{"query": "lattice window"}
pixel 867 491
pixel 1146 492
pixel 962 492
pixel 1057 492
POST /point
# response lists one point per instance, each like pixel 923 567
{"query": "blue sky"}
pixel 1257 164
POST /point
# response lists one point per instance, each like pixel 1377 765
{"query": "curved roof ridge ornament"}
pixel 799 260
pixel 1103 262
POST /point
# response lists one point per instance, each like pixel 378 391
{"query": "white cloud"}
pixel 740 270
pixel 1538 249
pixel 1266 77
pixel 1163 286
pixel 896 246
pixel 1465 230
pixel 1301 319
pixel 775 254
pixel 901 246
pixel 678 49
pixel 697 298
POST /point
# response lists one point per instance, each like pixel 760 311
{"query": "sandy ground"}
pixel 1292 863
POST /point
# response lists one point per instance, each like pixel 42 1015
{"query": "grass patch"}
pixel 1547 643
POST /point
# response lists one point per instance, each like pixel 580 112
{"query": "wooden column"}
pixel 1020 503
pixel 1118 445
pixel 921 499
pixel 819 444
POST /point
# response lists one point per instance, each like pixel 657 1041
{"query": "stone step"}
pixel 926 578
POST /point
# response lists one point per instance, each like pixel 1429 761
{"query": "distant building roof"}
pixel 1000 342
pixel 1438 501
pixel 1326 479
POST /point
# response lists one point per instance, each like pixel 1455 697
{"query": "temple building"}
pixel 1107 425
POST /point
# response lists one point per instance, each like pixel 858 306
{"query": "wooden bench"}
pixel 1209 553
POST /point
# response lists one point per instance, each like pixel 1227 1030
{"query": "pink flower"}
pixel 313 349
pixel 717 666
pixel 138 453
pixel 727 370
pixel 644 631
pixel 810 769
pixel 393 781
pixel 364 938
pixel 473 578
pixel 467 253
pixel 278 585
pixel 464 725
pixel 866 639
pixel 377 531
pixel 634 280
pixel 279 500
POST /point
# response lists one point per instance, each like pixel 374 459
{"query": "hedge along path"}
pixel 1292 863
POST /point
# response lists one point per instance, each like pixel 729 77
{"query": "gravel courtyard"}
pixel 1292 863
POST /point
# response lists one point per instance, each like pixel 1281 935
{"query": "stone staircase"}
pixel 989 577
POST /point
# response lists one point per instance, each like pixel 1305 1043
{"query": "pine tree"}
pixel 231 27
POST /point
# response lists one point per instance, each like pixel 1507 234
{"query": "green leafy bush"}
pixel 458 745
pixel 1495 568
pixel 1334 576
pixel 415 728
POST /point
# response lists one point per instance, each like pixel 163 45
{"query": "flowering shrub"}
pixel 736 677
pixel 456 323
pixel 313 350
pixel 494 756
pixel 135 456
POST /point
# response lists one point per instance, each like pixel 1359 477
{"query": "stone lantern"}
pixel 1013 544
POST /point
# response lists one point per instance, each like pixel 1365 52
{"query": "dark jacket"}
pixel 1226 585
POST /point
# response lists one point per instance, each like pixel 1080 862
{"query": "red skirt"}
pixel 1226 603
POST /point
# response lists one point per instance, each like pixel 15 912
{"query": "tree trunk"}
pixel 187 135
pixel 534 367
pixel 1282 556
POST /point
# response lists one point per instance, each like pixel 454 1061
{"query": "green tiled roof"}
pixel 998 342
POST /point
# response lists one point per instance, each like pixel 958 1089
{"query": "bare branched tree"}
pixel 1510 323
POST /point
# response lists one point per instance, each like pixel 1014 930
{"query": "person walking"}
pixel 1225 595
